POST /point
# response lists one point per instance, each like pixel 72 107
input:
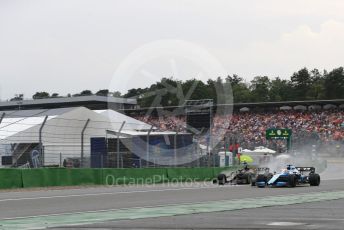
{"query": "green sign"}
pixel 278 133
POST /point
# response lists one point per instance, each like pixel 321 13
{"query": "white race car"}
pixel 290 177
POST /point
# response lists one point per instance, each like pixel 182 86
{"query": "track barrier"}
pixel 10 178
pixel 49 177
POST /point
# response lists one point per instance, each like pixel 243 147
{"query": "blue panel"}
pixel 260 183
pixel 98 152
pixel 161 146
pixel 281 184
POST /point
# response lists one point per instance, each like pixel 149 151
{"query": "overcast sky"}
pixel 69 45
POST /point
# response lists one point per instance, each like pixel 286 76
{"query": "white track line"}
pixel 152 206
pixel 112 193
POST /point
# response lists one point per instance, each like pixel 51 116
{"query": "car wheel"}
pixel 291 181
pixel 314 179
pixel 222 179
pixel 261 178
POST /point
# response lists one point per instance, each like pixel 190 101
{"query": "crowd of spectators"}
pixel 308 127
pixel 321 127
pixel 165 123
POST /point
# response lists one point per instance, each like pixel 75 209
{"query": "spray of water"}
pixel 327 163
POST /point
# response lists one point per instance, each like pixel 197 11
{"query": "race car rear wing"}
pixel 262 169
pixel 306 169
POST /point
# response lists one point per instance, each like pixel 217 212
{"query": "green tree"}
pixel 116 94
pixel 240 90
pixel 162 93
pixel 241 93
pixel 17 97
pixel 84 93
pixel 234 80
pixel 135 93
pixel 219 90
pixel 195 90
pixel 211 89
pixel 281 90
pixel 102 92
pixel 40 95
pixel 317 89
pixel 260 87
pixel 334 84
pixel 301 82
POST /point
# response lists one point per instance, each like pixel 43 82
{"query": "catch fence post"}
pixel 118 135
pixel 175 147
pixel 2 117
pixel 147 146
pixel 40 140
pixel 82 143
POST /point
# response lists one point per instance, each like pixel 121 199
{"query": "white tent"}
pixel 246 151
pixel 263 150
pixel 244 109
pixel 329 106
pixel 61 133
pixel 285 108
pixel 117 118
pixel 300 107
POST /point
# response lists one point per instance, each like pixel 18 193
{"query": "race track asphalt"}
pixel 317 215
pixel 33 203
pixel 25 209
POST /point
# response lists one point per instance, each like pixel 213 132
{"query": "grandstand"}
pixel 317 123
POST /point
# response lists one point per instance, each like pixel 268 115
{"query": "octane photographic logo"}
pixel 180 60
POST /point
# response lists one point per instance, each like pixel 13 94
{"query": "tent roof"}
pixel 26 123
pixel 130 123
pixel 64 126
pixel 17 121
pixel 262 149
pixel 12 126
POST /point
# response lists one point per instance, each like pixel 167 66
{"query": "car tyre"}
pixel 314 179
pixel 291 181
pixel 222 179
pixel 262 178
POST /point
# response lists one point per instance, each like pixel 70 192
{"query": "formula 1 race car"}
pixel 290 177
pixel 242 176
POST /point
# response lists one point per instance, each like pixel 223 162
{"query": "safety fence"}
pixel 48 177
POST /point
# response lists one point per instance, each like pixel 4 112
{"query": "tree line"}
pixel 302 85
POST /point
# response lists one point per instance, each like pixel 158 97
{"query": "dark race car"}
pixel 241 176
